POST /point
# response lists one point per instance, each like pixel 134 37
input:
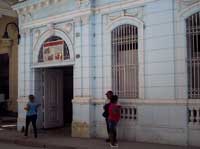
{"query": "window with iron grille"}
pixel 124 42
pixel 193 54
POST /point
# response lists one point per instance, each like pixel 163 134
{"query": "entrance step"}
pixel 8 123
pixel 8 119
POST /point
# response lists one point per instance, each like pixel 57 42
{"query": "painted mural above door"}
pixel 53 50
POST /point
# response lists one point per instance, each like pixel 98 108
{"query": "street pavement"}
pixel 14 146
pixel 57 140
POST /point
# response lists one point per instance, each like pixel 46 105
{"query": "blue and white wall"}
pixel 85 25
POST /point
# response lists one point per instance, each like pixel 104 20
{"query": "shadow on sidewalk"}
pixel 58 139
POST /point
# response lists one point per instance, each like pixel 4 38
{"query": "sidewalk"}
pixel 56 141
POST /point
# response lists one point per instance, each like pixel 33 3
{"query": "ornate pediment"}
pixel 182 4
pixel 136 12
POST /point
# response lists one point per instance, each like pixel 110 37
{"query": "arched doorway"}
pixel 56 83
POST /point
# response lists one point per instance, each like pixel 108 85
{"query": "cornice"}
pixel 107 8
pixel 33 5
pixel 30 5
pixel 27 22
pixel 57 18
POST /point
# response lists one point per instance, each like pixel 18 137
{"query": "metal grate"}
pixel 124 40
pixel 194 114
pixel 129 113
pixel 193 51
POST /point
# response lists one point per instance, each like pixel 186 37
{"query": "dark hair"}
pixel 114 99
pixel 31 96
pixel 109 92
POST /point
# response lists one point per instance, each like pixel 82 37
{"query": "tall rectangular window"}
pixel 124 40
pixel 193 52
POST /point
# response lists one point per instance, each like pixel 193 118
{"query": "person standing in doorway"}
pixel 109 95
pixel 113 119
pixel 31 114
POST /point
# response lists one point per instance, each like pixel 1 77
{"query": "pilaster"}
pixel 83 124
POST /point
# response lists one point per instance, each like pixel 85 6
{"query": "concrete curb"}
pixel 37 144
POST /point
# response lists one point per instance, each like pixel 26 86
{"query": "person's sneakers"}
pixel 116 144
pixel 113 145
pixel 107 140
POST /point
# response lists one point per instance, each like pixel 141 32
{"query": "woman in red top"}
pixel 114 117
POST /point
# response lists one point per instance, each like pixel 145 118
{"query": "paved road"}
pixel 14 146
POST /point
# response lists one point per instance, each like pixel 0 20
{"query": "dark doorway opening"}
pixel 4 75
pixel 8 119
pixel 67 95
pixel 4 83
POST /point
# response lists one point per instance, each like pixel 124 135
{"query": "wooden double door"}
pixel 53 98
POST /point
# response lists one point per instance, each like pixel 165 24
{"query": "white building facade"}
pixel 146 51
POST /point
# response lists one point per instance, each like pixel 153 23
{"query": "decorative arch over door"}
pixel 50 36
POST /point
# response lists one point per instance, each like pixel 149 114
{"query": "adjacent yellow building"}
pixel 8 61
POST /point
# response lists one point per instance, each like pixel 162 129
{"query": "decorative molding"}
pixel 47 65
pixel 113 16
pixel 24 8
pixel 79 12
pixel 37 34
pixel 85 19
pixel 182 4
pixel 135 12
pixel 68 27
pixel 88 100
pixel 188 2
pixel 75 15
pixel 26 18
pixel 45 35
pixel 51 28
pixel 80 3
pixel 122 5
pixel 77 20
